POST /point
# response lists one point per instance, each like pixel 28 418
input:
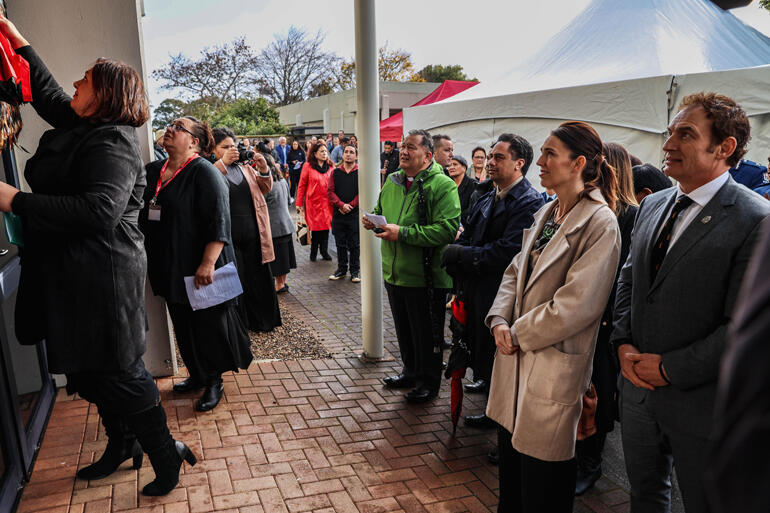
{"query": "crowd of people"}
pixel 610 296
pixel 607 297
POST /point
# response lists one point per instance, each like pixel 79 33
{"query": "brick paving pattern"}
pixel 295 436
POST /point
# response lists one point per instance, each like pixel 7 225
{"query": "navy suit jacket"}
pixel 283 152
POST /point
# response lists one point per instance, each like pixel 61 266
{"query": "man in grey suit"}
pixel 675 296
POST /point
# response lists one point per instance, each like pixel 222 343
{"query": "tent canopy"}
pixel 623 66
pixel 613 40
pixel 392 128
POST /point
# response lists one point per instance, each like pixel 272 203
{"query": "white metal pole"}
pixel 368 133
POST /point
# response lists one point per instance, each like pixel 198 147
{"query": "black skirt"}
pixel 211 341
pixel 258 305
pixel 285 260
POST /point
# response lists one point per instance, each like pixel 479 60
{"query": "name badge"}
pixel 153 214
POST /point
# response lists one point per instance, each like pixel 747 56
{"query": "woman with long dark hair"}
pixel 296 160
pixel 545 318
pixel 186 224
pixel 588 451
pixel 83 266
pixel 313 198
pixel 250 229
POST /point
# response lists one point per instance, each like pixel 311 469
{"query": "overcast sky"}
pixel 486 37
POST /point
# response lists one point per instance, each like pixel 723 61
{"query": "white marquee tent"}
pixel 623 66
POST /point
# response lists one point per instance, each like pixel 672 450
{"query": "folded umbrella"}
pixel 459 359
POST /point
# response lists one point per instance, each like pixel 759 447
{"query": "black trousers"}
pixel 319 240
pixel 121 393
pixel 409 306
pixel 345 230
pixel 530 485
pixel 294 175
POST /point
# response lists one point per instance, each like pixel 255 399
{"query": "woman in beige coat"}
pixel 545 319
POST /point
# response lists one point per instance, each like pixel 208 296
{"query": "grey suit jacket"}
pixel 683 314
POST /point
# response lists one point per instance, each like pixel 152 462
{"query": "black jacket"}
pixel 83 263
pixel 465 190
pixel 491 239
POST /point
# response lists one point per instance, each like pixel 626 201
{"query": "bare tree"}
pixel 223 72
pixel 295 67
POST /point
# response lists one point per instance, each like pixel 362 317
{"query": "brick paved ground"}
pixel 309 435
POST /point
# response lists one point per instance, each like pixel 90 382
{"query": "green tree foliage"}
pixel 165 113
pixel 439 73
pixel 765 4
pixel 245 116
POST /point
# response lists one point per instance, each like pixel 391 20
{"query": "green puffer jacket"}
pixel 402 263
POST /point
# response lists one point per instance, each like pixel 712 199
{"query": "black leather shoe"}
pixel 586 480
pixel 479 421
pixel 210 398
pixel 420 395
pixel 399 381
pixel 480 386
pixel 326 256
pixel 188 385
pixel 493 456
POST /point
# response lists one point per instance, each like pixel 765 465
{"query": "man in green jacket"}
pixel 410 245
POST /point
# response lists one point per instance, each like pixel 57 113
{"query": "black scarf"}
pixel 323 169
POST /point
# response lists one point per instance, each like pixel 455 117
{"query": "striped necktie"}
pixel 664 239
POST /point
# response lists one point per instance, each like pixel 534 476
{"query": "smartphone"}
pixel 377 230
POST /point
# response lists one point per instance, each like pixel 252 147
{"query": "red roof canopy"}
pixel 392 128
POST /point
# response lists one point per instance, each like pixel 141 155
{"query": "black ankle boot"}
pixel 166 454
pixel 324 243
pixel 166 463
pixel 121 446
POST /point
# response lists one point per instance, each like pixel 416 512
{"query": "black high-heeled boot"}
pixel 121 446
pixel 165 453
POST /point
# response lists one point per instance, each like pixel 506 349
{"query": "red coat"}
pixel 312 193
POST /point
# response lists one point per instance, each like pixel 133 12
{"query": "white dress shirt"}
pixel 700 197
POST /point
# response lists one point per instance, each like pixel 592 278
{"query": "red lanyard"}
pixel 161 185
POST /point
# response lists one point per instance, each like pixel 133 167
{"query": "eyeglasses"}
pixel 179 128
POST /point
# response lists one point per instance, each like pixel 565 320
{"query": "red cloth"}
pixel 313 194
pixel 392 128
pixel 13 66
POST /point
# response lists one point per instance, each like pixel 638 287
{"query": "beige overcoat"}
pixel 536 393
pixel 259 185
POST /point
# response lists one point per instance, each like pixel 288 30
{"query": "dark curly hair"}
pixel 728 119
pixel 202 132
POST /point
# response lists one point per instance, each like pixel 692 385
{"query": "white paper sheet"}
pixel 378 221
pixel 225 286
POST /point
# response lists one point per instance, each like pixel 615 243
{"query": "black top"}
pixel 296 157
pixel 345 184
pixel 83 262
pixel 195 210
pixel 389 161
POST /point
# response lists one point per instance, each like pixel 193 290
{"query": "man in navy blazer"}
pixel 491 238
pixel 676 293
pixel 283 152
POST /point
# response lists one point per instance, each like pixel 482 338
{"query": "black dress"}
pixel 195 210
pixel 258 306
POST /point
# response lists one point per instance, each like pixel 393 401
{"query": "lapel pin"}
pixel 705 219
